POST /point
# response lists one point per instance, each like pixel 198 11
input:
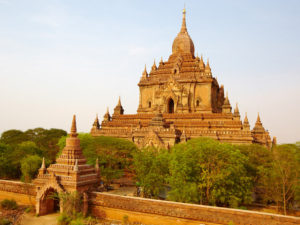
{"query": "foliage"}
pixel 16 145
pixel 114 154
pixel 151 169
pixel 13 137
pixel 9 204
pixel 30 166
pixel 258 164
pixel 283 176
pixel 63 219
pixel 71 203
pixel 208 172
pixel 46 140
pixel 4 221
pixel 6 168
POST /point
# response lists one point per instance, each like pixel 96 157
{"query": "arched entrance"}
pixel 170 106
pixel 49 202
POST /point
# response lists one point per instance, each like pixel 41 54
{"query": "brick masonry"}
pixel 100 202
pixel 24 194
pixel 115 207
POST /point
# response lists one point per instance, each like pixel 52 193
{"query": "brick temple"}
pixel 180 99
pixel 70 173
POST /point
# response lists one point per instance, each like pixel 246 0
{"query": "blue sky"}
pixel 59 58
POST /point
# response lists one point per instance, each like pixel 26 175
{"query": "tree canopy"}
pixel 209 172
pixel 16 146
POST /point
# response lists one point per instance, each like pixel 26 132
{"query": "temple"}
pixel 180 99
pixel 70 173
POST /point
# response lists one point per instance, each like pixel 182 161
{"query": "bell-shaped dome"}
pixel 183 42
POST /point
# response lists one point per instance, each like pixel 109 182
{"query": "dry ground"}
pixel 30 219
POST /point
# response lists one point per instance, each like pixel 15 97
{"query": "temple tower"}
pixel 70 173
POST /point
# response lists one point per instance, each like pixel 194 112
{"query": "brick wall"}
pixel 101 202
pixel 21 192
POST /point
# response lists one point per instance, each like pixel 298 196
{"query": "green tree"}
pixel 283 179
pixel 46 140
pixel 6 168
pixel 30 166
pixel 258 164
pixel 152 169
pixel 13 137
pixel 208 172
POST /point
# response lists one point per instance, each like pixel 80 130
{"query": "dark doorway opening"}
pixel 171 106
pixel 50 202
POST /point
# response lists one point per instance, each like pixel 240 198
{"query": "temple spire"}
pixel 246 125
pixel 207 68
pixel 258 125
pixel 258 118
pixel 154 66
pixel 73 132
pixel 106 115
pixel 236 113
pixel 183 26
pixel 145 74
pixel 226 108
pixel 43 164
pixel 201 64
pixel 96 122
pixel 119 101
pixel 118 110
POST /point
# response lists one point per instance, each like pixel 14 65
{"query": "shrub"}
pixel 4 221
pixel 29 209
pixel 9 204
pixel 77 221
pixel 63 219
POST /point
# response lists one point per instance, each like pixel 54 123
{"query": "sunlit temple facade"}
pixel 180 99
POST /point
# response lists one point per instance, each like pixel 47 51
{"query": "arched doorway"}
pixel 49 202
pixel 170 106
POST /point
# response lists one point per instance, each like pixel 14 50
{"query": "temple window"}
pixel 149 104
pixel 197 103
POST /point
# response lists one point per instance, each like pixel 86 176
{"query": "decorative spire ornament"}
pixel 145 74
pixel 43 164
pixel 207 68
pixel 154 66
pixel 246 125
pixel 73 132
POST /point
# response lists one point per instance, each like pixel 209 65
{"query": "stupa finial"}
pixel 119 101
pixel 145 74
pixel 73 132
pixel 43 164
pixel 183 26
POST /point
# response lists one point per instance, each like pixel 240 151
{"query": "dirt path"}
pixel 30 219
